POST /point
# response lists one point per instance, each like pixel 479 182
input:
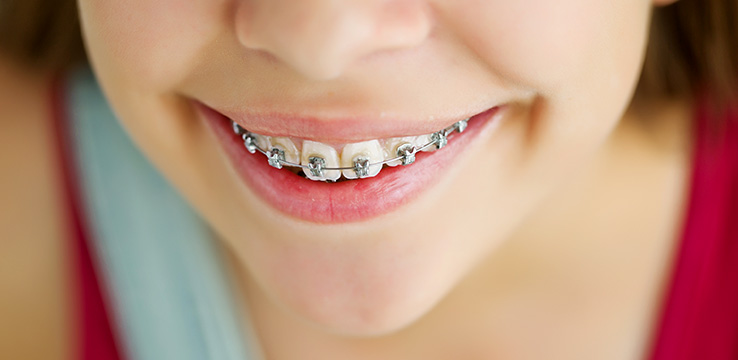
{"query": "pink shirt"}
pixel 700 312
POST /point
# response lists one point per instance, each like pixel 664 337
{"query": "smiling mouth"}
pixel 322 162
pixel 393 171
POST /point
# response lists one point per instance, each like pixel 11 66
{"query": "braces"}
pixel 316 165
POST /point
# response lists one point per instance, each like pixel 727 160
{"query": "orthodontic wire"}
pixel 446 133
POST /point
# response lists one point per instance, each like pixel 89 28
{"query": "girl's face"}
pixel 367 256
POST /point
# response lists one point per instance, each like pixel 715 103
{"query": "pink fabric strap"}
pixel 700 312
pixel 95 340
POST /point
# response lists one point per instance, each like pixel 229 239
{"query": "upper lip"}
pixel 337 129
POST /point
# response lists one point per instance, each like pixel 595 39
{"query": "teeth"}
pixel 407 151
pixel 358 156
pixel 392 145
pixel 291 154
pixel 461 125
pixel 315 150
pixel 440 139
pixel 263 142
pixel 249 142
pixel 275 157
pixel 236 128
pixel 423 140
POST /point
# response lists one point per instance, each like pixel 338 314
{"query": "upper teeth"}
pixel 358 160
pixel 358 157
pixel 291 154
pixel 393 146
pixel 318 156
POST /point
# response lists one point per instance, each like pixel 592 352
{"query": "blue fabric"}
pixel 159 262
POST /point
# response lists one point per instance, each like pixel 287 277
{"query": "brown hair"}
pixel 693 46
pixel 40 33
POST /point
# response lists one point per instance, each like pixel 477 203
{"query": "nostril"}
pixel 321 38
pixel 250 33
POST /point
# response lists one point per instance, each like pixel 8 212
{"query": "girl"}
pixel 396 179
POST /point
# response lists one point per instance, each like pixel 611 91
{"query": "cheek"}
pixel 549 45
pixel 149 44
pixel 140 51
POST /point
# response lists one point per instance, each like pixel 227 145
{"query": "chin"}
pixel 363 310
pixel 358 287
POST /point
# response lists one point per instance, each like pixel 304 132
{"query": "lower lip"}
pixel 346 201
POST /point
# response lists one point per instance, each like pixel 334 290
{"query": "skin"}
pixel 487 281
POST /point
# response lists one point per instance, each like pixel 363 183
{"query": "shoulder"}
pixel 34 287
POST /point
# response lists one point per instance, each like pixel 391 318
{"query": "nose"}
pixel 321 38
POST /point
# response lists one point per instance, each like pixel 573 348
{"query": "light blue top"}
pixel 157 259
